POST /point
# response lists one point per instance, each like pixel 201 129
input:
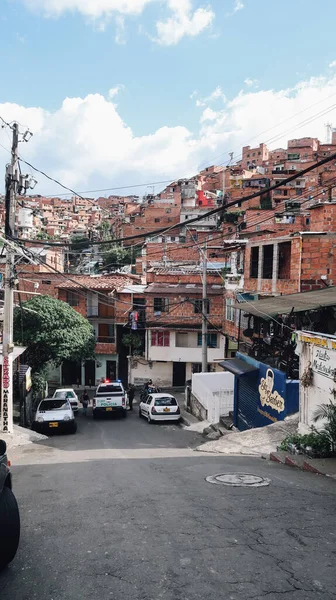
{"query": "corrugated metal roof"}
pixel 280 305
pixel 133 289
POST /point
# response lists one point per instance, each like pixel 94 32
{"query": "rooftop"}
pixel 179 288
pixel 109 283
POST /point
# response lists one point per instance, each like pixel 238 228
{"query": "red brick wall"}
pixel 184 313
pixel 82 306
pixel 105 348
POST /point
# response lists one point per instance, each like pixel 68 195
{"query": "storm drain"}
pixel 238 480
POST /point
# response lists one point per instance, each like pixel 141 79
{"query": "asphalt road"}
pixel 122 510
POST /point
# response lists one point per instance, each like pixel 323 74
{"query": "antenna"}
pixel 329 129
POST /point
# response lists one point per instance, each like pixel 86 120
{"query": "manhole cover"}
pixel 238 480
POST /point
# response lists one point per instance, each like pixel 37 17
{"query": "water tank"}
pixel 25 217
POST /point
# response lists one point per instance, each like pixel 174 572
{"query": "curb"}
pixel 301 463
pixel 185 421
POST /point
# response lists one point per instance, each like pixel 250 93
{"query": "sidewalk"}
pixel 253 442
pixel 320 466
pixel 21 437
pixel 187 419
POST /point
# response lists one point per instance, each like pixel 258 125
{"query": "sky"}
pixel 119 93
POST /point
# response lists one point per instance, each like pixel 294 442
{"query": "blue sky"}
pixel 56 49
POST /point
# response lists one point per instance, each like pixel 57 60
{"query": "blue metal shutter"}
pixel 248 402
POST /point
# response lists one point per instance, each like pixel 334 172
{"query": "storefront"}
pixel 262 395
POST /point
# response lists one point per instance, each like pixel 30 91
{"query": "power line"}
pixel 274 127
pixel 156 232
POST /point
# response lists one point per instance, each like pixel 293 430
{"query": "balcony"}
pixel 234 282
pixel 103 313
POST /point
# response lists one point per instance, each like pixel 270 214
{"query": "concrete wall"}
pixel 319 352
pixel 141 371
pixel 215 392
pixel 188 355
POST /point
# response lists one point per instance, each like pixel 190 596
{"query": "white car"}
pixel 55 414
pixel 70 395
pixel 160 407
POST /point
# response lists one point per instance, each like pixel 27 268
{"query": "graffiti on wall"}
pixel 268 397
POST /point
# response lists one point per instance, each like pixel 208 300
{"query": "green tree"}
pixel 118 256
pixel 52 332
pixel 133 342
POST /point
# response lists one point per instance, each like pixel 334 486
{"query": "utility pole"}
pixel 204 314
pixel 12 183
pixel 223 186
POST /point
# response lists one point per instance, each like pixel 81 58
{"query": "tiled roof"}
pixel 96 283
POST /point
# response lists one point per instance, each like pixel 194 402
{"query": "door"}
pixel 90 373
pixel 179 374
pixel 71 373
pixel 111 370
pixel 146 406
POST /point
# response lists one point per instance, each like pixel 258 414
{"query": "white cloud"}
pixel 251 82
pixel 113 92
pixel 216 95
pixel 238 5
pixel 183 20
pixel 209 115
pixel 120 30
pixel 87 145
pixel 332 65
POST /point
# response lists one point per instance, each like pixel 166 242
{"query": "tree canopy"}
pixel 52 331
pixel 118 256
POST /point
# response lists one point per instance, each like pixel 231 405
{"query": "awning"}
pixel 281 305
pixel 237 366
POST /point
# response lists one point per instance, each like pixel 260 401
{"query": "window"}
pixel 259 153
pixel 230 311
pixel 160 338
pixel 267 269
pixel 181 340
pixel 165 401
pixel 186 217
pixel 168 210
pixel 161 305
pixel 156 220
pixel 46 282
pixel 284 260
pixel 248 156
pixel 198 306
pixel 254 262
pixel 212 340
pixel 248 162
pixel 253 154
pixel 72 298
pixel 106 333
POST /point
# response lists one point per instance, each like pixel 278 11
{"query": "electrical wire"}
pixel 210 213
pixel 271 128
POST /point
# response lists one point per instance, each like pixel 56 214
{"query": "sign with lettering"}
pixel 268 397
pixel 5 393
pixel 322 342
pixel 324 362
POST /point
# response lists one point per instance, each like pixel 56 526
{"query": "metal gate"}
pixel 247 402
